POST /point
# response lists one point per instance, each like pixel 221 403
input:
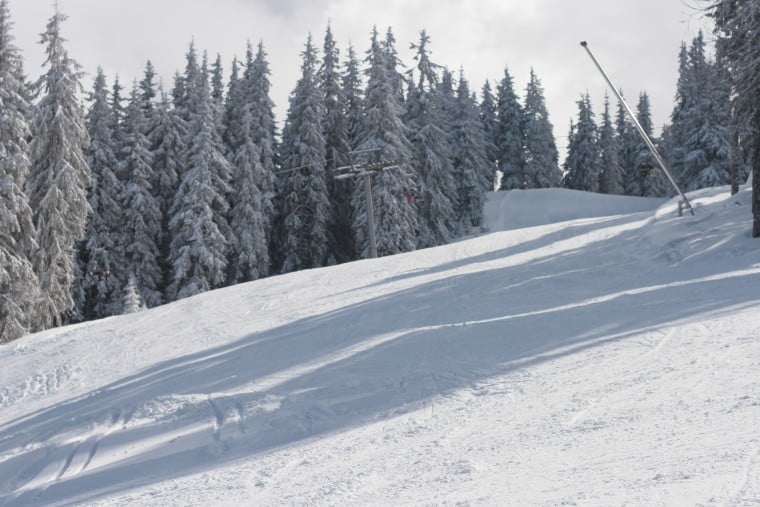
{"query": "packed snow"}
pixel 587 349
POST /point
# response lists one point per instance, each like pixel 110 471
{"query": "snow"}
pixel 589 349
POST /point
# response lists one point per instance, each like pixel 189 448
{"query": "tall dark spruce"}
pixel 59 178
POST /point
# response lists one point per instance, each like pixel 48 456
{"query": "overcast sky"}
pixel 637 41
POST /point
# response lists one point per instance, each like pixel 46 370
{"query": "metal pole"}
pixel 370 215
pixel 638 126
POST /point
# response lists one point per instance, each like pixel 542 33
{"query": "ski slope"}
pixel 588 350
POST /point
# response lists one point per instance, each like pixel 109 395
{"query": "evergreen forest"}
pixel 115 197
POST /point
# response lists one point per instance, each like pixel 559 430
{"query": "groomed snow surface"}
pixel 588 350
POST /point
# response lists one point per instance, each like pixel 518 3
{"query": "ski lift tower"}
pixel 642 133
pixel 366 171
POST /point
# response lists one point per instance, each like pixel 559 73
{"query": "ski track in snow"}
pixel 611 358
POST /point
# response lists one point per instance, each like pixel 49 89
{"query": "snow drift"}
pixel 589 349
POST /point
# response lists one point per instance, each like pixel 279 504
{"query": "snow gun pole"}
pixel 638 126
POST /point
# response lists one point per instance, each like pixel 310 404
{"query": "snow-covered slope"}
pixel 607 354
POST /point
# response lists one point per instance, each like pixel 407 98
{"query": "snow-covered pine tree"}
pixel 334 121
pixel 648 176
pixel 141 228
pixel 249 248
pixel 393 63
pixel 337 148
pixel 222 173
pixel 131 302
pixel 19 288
pixel 674 135
pixel 540 151
pixel 428 129
pixel 351 85
pixel 305 203
pixel 256 87
pixel 583 159
pixel 102 253
pixel 232 119
pixel 470 158
pixel 59 179
pixel 611 173
pixel 167 136
pixel 148 92
pixel 628 144
pixel 489 118
pixel 217 83
pixel 448 100
pixel 700 124
pixel 509 136
pixel 382 130
pixel 198 247
pixel 187 86
pixel 117 108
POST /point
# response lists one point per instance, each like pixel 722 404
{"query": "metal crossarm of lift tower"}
pixel 642 133
pixel 347 171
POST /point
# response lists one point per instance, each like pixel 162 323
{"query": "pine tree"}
pixel 167 135
pixel 131 301
pixel 448 100
pixel 674 135
pixel 393 63
pixel 249 248
pixel 141 229
pixel 490 120
pixel 628 141
pixel 426 120
pixel 700 132
pixel 470 158
pixel 222 172
pixel 147 93
pixel 198 246
pixel 337 148
pixel 647 175
pixel 217 84
pixel 101 252
pixel 263 131
pixel 117 108
pixel 59 179
pixel 540 150
pixel 583 159
pixel 383 131
pixel 352 93
pixel 19 288
pixel 305 203
pixel 509 136
pixel 232 120
pixel 736 23
pixel 611 177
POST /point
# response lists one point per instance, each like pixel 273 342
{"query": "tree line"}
pixel 146 196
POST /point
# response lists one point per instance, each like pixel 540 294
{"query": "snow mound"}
pixel 517 209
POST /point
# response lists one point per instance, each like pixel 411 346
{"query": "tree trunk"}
pixel 735 159
pixel 756 175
